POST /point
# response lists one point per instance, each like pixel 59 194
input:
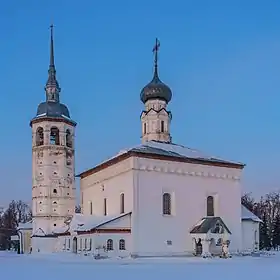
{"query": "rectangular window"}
pixel 122 204
pixel 90 207
pixel 105 207
pixel 145 128
pixel 162 126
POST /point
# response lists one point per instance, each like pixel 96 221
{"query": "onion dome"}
pixel 156 89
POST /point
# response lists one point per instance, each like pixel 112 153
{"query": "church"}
pixel 155 199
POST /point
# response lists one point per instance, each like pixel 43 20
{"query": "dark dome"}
pixel 156 89
pixel 52 109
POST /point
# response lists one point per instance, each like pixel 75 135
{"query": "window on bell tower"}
pixel 68 139
pixel 54 136
pixel 162 126
pixel 39 136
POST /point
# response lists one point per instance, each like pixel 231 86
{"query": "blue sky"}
pixel 221 59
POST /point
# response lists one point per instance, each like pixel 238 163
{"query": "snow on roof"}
pixel 179 150
pixel 248 215
pixel 170 149
pixel 199 223
pixel 82 222
pixel 27 225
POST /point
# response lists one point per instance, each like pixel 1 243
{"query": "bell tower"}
pixel 53 158
pixel 155 117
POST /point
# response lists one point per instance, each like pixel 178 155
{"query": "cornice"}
pixel 185 172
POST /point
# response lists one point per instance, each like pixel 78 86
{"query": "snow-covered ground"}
pixel 68 267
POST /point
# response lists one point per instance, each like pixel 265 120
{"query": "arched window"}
pixel 54 136
pixel 210 206
pixel 69 143
pixel 122 203
pixel 39 136
pixel 55 191
pixel 110 246
pixel 166 204
pixel 145 128
pixel 122 244
pixel 219 242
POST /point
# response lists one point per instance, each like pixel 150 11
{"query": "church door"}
pixel 75 245
pixel 198 248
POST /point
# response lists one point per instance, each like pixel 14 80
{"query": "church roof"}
pixel 204 225
pixel 81 222
pixel 175 150
pixel 247 215
pixel 165 151
pixel 27 225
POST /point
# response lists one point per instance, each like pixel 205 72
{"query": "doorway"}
pixel 198 247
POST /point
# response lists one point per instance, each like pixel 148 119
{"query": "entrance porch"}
pixel 211 237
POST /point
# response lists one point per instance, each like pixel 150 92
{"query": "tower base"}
pixel 44 244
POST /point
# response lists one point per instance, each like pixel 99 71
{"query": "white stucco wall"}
pixel 108 183
pixel 84 245
pixel 189 185
pixel 53 181
pixel 44 245
pixel 143 181
pixel 151 121
pixel 250 235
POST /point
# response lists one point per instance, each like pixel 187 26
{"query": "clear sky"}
pixel 221 59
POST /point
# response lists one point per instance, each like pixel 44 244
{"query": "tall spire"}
pixel 51 49
pixel 52 87
pixel 155 51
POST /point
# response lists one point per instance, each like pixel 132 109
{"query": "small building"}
pixel 104 236
pixel 25 233
pixel 250 230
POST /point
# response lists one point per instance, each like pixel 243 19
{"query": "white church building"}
pixel 155 199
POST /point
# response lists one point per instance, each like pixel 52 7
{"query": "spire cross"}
pixel 155 51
